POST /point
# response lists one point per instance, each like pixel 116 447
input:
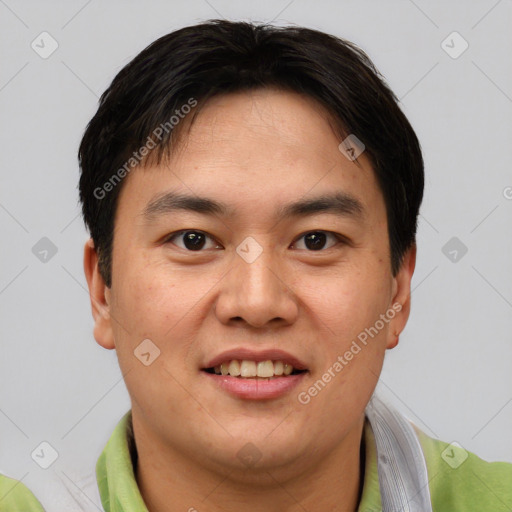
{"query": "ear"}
pixel 401 297
pixel 99 295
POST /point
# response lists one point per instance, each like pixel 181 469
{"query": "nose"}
pixel 257 293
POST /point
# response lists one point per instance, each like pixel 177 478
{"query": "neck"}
pixel 170 481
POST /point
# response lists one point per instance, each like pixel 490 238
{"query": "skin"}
pixel 254 151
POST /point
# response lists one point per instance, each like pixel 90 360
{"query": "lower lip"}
pixel 256 389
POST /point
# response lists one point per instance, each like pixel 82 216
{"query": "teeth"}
pixel 234 368
pixel 248 369
pixel 265 369
pixel 251 369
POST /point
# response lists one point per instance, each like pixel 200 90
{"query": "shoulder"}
pixel 460 480
pixel 68 491
pixel 16 497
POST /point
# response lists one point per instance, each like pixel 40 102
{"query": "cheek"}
pixel 351 306
pixel 351 302
pixel 152 302
pixel 154 297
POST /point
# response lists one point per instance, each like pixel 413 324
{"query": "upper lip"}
pixel 248 354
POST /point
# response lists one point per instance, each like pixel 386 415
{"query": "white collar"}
pixel 403 477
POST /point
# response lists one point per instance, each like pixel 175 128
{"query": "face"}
pixel 246 276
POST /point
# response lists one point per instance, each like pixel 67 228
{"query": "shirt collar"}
pixel 370 497
pixel 118 486
pixel 114 471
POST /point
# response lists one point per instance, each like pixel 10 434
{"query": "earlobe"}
pixel 99 295
pixel 393 342
pixel 401 297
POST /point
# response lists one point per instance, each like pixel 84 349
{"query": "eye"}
pixel 316 240
pixel 195 240
pixel 192 240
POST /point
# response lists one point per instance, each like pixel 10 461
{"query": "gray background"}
pixel 450 374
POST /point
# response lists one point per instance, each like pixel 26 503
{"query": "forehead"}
pixel 263 146
pixel 292 125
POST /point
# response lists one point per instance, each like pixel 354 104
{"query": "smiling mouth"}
pixel 246 369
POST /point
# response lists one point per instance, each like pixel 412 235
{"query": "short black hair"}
pixel 188 66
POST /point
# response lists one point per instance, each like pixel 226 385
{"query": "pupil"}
pixel 317 240
pixel 193 240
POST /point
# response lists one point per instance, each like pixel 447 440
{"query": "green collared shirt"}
pixel 15 497
pixel 458 480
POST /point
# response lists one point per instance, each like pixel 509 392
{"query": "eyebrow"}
pixel 339 203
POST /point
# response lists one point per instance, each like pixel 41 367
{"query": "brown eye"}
pixel 191 240
pixel 316 240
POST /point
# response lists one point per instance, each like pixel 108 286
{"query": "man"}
pixel 252 195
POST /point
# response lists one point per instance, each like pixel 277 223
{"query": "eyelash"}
pixel 339 238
